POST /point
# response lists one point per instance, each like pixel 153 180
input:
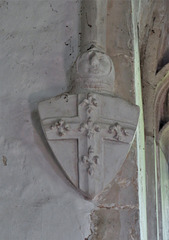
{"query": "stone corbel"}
pixel 88 129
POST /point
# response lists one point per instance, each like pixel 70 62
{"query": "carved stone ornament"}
pixel 90 134
pixel 88 129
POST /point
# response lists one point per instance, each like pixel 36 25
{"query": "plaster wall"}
pixel 38 44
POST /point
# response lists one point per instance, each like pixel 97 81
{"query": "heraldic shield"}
pixel 90 134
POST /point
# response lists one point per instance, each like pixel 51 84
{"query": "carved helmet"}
pixel 93 71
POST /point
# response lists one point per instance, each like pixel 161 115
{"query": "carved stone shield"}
pixel 90 135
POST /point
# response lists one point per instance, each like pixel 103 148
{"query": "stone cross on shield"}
pixel 88 129
pixel 90 135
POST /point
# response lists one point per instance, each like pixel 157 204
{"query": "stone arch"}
pixel 164 139
pixel 161 100
pixel 161 131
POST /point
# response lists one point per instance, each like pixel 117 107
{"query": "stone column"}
pixel 93 24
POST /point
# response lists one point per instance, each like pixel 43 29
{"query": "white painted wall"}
pixel 38 44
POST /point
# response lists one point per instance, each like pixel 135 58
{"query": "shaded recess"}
pixel 163 61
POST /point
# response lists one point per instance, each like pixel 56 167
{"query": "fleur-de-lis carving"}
pixel 90 161
pixel 118 131
pixel 90 103
pixel 61 127
pixel 89 127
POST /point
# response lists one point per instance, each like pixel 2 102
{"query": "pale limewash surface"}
pixel 38 44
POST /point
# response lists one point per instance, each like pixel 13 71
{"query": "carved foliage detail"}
pixel 89 128
pixel 91 161
pixel 118 131
pixel 90 103
pixel 61 127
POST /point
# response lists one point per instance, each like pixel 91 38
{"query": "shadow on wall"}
pixel 72 38
pixel 163 61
